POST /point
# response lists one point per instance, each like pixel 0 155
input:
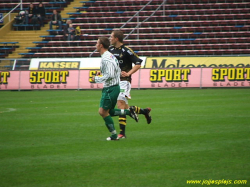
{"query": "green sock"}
pixel 119 112
pixel 110 125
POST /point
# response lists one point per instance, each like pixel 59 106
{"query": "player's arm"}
pixel 93 77
pixel 132 71
pixel 133 58
pixel 108 72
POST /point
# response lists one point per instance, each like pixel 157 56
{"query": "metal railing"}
pixel 139 23
pixel 19 4
pixel 136 14
pixel 8 64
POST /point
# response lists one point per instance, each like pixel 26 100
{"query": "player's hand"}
pixel 98 73
pixel 124 74
pixel 93 79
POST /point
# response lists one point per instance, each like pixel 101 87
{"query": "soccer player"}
pixel 110 78
pixel 126 58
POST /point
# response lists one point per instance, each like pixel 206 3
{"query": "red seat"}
pixel 195 27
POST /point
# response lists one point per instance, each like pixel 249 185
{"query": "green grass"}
pixel 57 138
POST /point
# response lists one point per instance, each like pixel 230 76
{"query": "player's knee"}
pixel 121 104
pixel 103 113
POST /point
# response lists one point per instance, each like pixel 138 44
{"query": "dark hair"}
pixel 104 41
pixel 118 34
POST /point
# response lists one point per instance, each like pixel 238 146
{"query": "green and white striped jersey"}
pixel 110 70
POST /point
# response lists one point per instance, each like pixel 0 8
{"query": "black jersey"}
pixel 126 58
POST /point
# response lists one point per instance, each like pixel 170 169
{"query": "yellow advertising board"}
pixel 192 62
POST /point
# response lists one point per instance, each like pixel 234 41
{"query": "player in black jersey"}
pixel 126 58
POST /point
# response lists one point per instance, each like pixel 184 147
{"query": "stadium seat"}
pixel 7 47
pixel 192 28
pixel 8 5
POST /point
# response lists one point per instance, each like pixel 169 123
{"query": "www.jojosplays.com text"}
pixel 217 182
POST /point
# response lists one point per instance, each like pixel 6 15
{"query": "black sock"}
pixel 122 123
pixel 139 110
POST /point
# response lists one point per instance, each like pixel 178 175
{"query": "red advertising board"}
pixel 168 78
pixel 144 78
pixel 225 77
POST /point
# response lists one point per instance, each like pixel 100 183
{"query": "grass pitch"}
pixel 57 138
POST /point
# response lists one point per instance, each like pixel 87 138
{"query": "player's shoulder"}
pixel 111 48
pixel 129 50
pixel 107 54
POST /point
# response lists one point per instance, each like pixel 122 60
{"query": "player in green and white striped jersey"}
pixel 110 70
pixel 110 78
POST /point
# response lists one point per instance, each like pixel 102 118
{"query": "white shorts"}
pixel 125 88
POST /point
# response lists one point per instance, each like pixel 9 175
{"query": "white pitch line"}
pixel 8 110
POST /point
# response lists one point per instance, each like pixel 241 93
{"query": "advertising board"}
pixel 143 78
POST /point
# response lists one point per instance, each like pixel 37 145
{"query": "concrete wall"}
pixel 7 24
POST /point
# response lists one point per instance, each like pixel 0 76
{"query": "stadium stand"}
pixel 7 48
pixel 24 35
pixel 190 27
pixel 8 5
pixel 20 64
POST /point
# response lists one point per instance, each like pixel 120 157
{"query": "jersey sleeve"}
pixel 108 72
pixel 133 56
